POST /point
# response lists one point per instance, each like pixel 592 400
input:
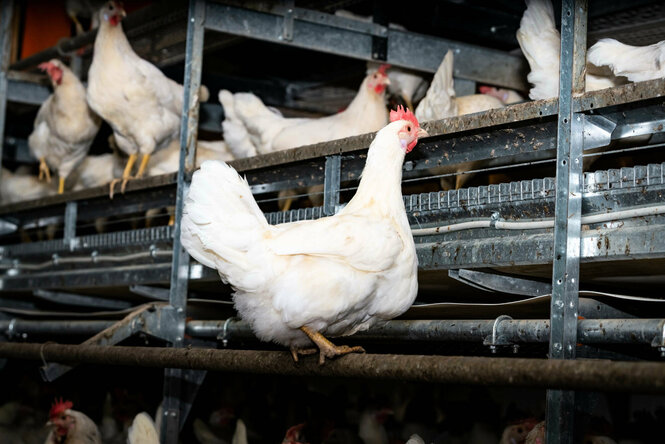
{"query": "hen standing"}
pixel 141 104
pixel 70 426
pixel 541 44
pixel 295 282
pixel 65 126
pixel 637 63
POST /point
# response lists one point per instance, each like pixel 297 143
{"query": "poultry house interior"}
pixel 453 212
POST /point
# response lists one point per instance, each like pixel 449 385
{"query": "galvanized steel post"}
pixel 173 316
pixel 6 48
pixel 568 214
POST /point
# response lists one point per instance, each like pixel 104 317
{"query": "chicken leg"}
pixel 326 348
pixel 61 185
pixel 44 172
pixel 144 164
pixel 126 174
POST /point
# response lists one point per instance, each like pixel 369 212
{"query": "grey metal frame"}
pixel 557 131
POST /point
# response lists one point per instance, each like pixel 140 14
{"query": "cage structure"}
pixel 559 243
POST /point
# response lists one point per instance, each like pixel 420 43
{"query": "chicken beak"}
pixel 48 424
pixel 386 81
pixel 422 133
pixel 123 13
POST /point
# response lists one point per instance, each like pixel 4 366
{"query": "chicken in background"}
pixel 19 186
pixel 541 44
pixel 167 160
pixel 86 9
pixel 440 101
pixel 516 433
pixel 507 96
pixel 70 426
pixel 337 275
pixel 636 63
pixel 143 430
pixel 205 435
pixel 415 439
pixel 407 84
pixel 249 122
pixel 65 125
pixel 294 435
pixel 371 429
pixel 270 132
pixel 141 104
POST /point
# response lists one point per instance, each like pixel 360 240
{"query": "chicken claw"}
pixel 295 352
pixel 44 172
pixel 126 175
pixel 326 348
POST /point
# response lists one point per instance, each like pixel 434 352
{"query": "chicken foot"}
pixel 44 172
pixel 126 174
pixel 326 348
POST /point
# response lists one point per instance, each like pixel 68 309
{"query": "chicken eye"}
pixel 408 128
pixel 519 430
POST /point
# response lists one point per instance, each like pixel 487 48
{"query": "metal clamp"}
pixel 224 335
pixel 659 342
pixel 495 340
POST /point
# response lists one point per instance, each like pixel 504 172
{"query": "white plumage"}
pixel 541 44
pixel 143 430
pixel 141 104
pixel 65 126
pixel 440 101
pixel 335 275
pixel 17 187
pixel 637 63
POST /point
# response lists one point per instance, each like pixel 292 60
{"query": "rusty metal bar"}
pixel 600 375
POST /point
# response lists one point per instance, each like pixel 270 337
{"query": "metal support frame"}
pixel 331 184
pixel 175 323
pixel 5 58
pixel 568 213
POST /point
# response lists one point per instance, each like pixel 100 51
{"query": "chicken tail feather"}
pixel 222 222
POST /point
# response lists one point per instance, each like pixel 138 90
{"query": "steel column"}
pixel 5 58
pixel 173 316
pixel 568 213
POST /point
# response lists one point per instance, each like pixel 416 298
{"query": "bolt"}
pixel 557 347
pixel 662 351
pixel 558 304
pixel 516 348
pixel 493 349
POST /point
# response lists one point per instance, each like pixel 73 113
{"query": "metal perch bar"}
pixel 602 375
pixel 589 331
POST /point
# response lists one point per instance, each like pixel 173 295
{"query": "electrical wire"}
pixel 539 224
pixel 86 260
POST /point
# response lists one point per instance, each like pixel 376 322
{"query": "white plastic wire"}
pixel 540 224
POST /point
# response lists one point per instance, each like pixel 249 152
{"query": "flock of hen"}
pixel 295 282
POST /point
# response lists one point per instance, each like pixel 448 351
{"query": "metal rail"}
pixel 634 377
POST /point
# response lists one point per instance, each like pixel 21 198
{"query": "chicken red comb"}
pixel 485 89
pixel 59 406
pixel 401 114
pixel 383 68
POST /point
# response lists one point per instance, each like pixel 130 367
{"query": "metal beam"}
pixel 7 15
pixel 560 413
pixel 600 375
pixel 353 38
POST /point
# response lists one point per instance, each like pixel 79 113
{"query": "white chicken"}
pixel 637 63
pixel 541 44
pixel 440 101
pixel 167 160
pixel 64 127
pixel 16 187
pixel 71 426
pixel 507 96
pixel 295 282
pixel 270 132
pixel 403 82
pixel 141 104
pixel 143 430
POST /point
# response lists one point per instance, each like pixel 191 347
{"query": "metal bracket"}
pixel 597 130
pixel 69 236
pixel 496 340
pixel 379 43
pixel 659 341
pixel 131 324
pixel 331 184
pixel 287 24
pixel 501 283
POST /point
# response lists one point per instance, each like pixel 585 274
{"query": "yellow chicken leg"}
pixel 44 172
pixel 326 348
pixel 125 175
pixel 144 164
pixel 61 185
